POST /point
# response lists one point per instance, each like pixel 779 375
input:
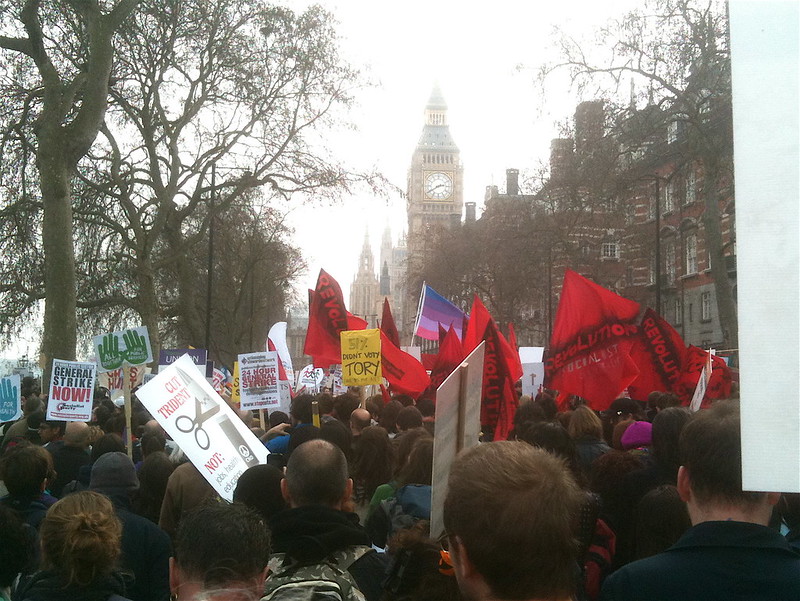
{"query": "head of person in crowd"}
pixel 427 408
pixel 661 519
pixel 503 498
pixel 302 435
pixel 325 403
pixel 153 476
pixel 259 487
pixel 405 443
pixel 667 427
pixel 35 420
pixel 584 424
pixel 409 417
pixel 30 387
pixel 221 553
pixel 373 463
pixel 25 470
pixel 623 409
pixel 32 404
pixel 317 474
pixel 667 400
pixel 339 434
pixel 553 438
pixel 278 417
pixel 526 414
pixel 107 443
pixel 152 442
pixel 710 477
pixel 637 436
pixel 301 411
pixel 359 420
pixel 52 430
pixel 80 541
pixel 114 475
pixel 76 435
pixel 16 549
pixel 404 399
pixel 418 467
pixel 344 405
pixel 518 388
pixel 388 417
pixel 547 404
pixel 374 405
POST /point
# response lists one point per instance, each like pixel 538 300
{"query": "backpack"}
pixel 328 580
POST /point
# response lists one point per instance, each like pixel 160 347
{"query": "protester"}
pixel 15 550
pixel 259 487
pixel 221 553
pixel 26 470
pixel 51 433
pixel 30 405
pixel 661 519
pixel 509 516
pixel 68 458
pixel 186 489
pixel 373 465
pixel 729 552
pixel 153 478
pixel 145 548
pixel 80 540
pixel 586 430
pixel 316 531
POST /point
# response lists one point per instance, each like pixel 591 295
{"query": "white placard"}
pixel 766 96
pixel 258 381
pixel 71 391
pixel 531 354
pixel 532 378
pixel 455 422
pixel 113 380
pixel 206 429
pixel 310 378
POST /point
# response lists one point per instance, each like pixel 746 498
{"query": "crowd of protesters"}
pixel 635 502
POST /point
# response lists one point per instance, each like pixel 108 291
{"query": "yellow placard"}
pixel 235 388
pixel 361 357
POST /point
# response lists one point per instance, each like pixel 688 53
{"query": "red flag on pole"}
pixel 327 316
pixel 404 373
pixel 512 337
pixel 659 353
pixel 388 326
pixel 450 355
pixel 719 386
pixel 589 353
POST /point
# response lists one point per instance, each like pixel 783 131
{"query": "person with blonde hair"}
pixel 586 430
pixel 80 543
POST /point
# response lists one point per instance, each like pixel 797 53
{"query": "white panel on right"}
pixel 764 49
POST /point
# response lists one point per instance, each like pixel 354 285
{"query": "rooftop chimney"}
pixel 512 182
pixel 470 212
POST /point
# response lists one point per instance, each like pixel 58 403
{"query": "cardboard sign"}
pixel 361 357
pixel 458 426
pixel 236 396
pixel 207 430
pixel 127 347
pixel 258 380
pixel 10 398
pixel 113 380
pixel 167 356
pixel 71 391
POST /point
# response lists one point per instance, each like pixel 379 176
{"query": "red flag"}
pixel 451 354
pixel 385 394
pixel 355 323
pixel 404 373
pixel 719 386
pixel 659 352
pixel 512 337
pixel 589 353
pixel 387 324
pixel 501 368
pixel 327 316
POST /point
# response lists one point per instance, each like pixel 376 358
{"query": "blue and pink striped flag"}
pixel 434 311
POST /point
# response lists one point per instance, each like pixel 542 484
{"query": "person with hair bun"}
pixel 80 541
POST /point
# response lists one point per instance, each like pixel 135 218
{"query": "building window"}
pixel 669 196
pixel 691 254
pixel 669 263
pixel 705 306
pixel 651 270
pixel 651 208
pixel 678 312
pixel 609 250
pixel 691 186
pixel 664 309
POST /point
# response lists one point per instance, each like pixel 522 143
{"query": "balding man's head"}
pixel 316 474
pixel 76 434
pixel 359 419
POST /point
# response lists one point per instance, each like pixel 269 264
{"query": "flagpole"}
pixel 419 311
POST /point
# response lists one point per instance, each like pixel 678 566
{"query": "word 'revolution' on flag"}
pixel 435 310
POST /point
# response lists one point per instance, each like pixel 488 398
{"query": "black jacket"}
pixel 309 534
pixel 47 586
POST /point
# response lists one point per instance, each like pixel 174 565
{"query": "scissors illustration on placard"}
pixel 184 423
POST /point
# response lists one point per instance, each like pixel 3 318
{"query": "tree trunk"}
pixel 726 304
pixel 59 338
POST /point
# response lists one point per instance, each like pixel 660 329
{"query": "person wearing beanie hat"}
pixel 145 547
pixel 637 437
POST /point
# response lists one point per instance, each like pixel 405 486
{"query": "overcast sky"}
pixel 484 56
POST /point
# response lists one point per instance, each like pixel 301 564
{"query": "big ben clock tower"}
pixel 435 189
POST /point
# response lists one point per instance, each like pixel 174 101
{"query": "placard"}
pixel 71 391
pixel 113 380
pixel 236 397
pixel 258 380
pixel 361 357
pixel 309 378
pixel 126 347
pixel 167 356
pixel 10 398
pixel 207 430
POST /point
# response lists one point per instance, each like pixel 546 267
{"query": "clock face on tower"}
pixel 438 186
